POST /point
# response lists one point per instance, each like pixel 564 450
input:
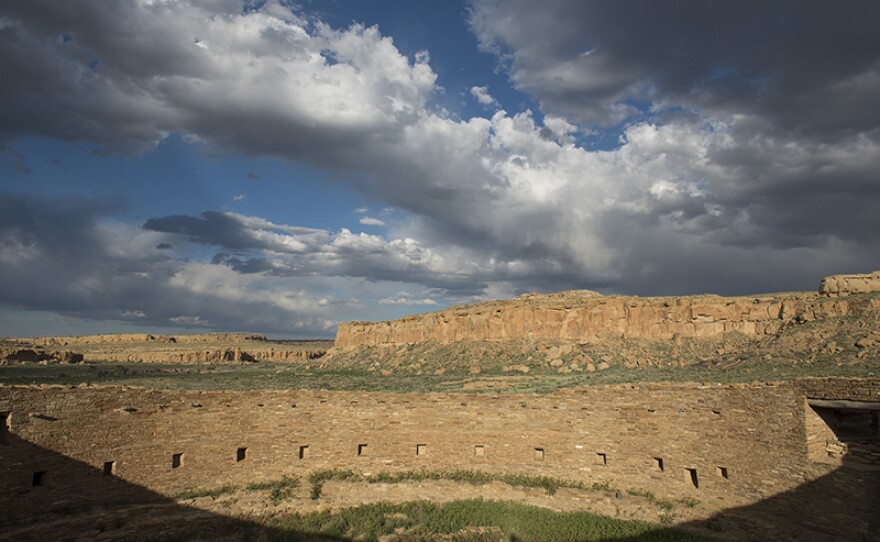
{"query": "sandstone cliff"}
pixel 150 348
pixel 843 285
pixel 586 316
pixel 217 338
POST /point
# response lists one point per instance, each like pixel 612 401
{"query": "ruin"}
pixel 798 458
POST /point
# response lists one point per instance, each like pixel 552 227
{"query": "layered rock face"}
pixel 843 285
pixel 124 338
pixel 150 348
pixel 585 316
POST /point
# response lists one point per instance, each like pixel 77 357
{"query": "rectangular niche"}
pixel 539 454
pixel 690 475
pixel 109 468
pixel 601 458
pixel 38 479
pixel 479 450
pixel 722 472
pixel 303 452
pixel 421 449
pixel 240 455
pixel 362 449
pixel 4 426
pixel 658 462
pixel 176 461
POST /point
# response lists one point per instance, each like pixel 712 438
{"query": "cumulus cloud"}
pixel 481 94
pixel 251 245
pixel 64 255
pixel 593 61
pixel 739 164
pixel 288 85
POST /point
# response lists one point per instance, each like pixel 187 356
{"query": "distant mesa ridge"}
pixel 584 315
pixel 154 348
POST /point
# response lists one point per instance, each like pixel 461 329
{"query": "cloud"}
pixel 290 86
pixel 370 221
pixel 481 94
pixel 18 161
pixel 239 197
pixel 63 255
pixel 592 61
pixel 251 245
pixel 737 163
pixel 404 299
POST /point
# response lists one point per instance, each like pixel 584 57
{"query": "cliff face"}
pixel 125 338
pixel 843 285
pixel 587 316
pixel 149 348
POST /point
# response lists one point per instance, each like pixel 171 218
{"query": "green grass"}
pixel 663 504
pixel 259 376
pixel 548 484
pixel 197 493
pixel 424 520
pixel 281 489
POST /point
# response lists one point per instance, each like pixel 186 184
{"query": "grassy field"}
pixel 472 521
pixel 286 376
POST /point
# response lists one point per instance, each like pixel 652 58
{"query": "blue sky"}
pixel 280 167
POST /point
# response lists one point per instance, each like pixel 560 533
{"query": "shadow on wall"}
pixel 842 505
pixel 48 496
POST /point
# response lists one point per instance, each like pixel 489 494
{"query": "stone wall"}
pixel 843 285
pixel 741 443
pixel 575 316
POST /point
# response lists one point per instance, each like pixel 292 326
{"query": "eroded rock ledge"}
pixel 584 315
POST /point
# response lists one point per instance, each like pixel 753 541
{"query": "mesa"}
pixel 690 418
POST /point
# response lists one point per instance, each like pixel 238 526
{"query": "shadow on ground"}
pixel 66 500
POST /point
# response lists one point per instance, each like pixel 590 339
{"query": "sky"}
pixel 279 166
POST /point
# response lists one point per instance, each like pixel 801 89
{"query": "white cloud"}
pixel 481 94
pixel 406 301
pixel 700 198
pixel 370 221
pixel 239 197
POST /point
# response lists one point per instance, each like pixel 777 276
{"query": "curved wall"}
pixel 745 443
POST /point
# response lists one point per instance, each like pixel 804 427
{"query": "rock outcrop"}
pixel 150 348
pixel 219 355
pixel 16 355
pixel 844 285
pixel 123 338
pixel 584 316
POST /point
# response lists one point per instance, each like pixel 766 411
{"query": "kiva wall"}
pixel 740 443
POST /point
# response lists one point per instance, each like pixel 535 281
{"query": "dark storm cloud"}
pixel 251 245
pixel 232 231
pixel 809 66
pixel 56 255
